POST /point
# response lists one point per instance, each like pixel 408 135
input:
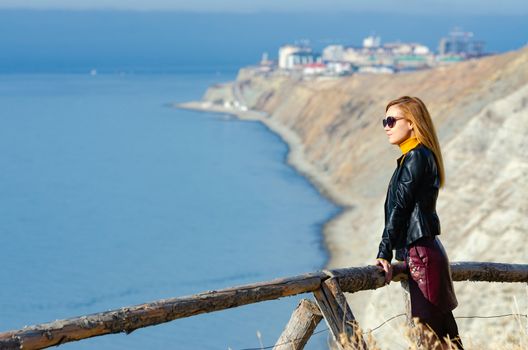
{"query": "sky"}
pixel 504 7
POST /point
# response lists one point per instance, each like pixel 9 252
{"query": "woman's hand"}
pixel 387 268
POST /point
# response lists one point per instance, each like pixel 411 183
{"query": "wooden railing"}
pixel 327 287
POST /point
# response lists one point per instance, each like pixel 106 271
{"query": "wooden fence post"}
pixel 414 336
pixel 338 315
pixel 301 326
pixel 400 274
pixel 407 302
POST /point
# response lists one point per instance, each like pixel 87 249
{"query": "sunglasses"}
pixel 390 121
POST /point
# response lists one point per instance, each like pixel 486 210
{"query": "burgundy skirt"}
pixel 430 284
pixel 431 287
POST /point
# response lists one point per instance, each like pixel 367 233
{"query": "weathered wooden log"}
pixel 338 315
pixel 128 319
pixel 301 326
pixel 489 272
pixel 354 279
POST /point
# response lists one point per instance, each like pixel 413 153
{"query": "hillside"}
pixel 480 110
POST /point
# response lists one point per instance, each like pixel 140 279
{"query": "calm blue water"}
pixel 108 198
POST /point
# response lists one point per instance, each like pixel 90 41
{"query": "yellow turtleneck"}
pixel 406 146
pixel 409 144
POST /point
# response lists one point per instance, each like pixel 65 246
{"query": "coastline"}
pixel 296 160
pixel 295 151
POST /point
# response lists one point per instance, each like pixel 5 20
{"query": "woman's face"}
pixel 401 130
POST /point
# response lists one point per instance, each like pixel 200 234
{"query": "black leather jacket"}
pixel 410 205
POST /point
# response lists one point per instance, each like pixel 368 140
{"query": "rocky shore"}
pixel 333 128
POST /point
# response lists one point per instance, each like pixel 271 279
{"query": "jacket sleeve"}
pixel 407 185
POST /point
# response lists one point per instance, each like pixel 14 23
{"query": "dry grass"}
pixel 420 337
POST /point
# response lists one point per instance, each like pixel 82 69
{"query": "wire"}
pixel 382 324
pixel 521 315
pixel 387 320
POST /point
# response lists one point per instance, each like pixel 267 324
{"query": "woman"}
pixel 411 222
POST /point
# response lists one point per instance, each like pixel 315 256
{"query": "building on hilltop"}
pixel 300 59
pixel 378 58
pixel 265 61
pixel 375 57
pixel 372 41
pixel 293 57
pixel 314 68
pixel 285 62
pixel 284 52
pixel 333 53
pixel 460 43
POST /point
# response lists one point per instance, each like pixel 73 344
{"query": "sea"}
pixel 110 197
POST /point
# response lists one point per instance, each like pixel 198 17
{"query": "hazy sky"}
pixel 408 6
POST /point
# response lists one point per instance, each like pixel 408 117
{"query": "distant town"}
pixel 372 57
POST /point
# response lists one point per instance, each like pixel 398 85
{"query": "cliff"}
pixel 480 110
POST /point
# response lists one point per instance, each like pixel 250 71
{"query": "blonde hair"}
pixel 414 110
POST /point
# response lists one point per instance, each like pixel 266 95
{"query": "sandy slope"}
pixel 480 109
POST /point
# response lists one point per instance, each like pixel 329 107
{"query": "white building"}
pixel 339 68
pixel 293 57
pixel 372 41
pixel 314 68
pixel 285 52
pixel 376 70
pixel 421 49
pixel 333 53
pixel 303 58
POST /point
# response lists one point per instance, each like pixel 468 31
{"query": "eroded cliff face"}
pixel 480 110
